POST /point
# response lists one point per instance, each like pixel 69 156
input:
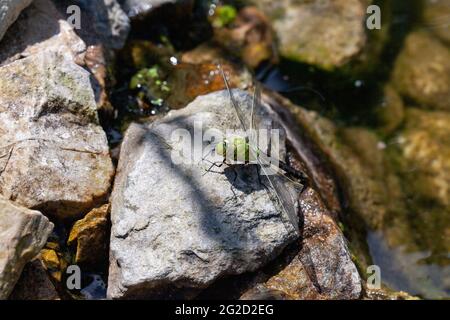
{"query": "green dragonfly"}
pixel 244 150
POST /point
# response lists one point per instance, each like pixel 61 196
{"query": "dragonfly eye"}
pixel 221 148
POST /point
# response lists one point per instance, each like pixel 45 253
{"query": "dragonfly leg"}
pixel 305 183
pixel 234 180
pixel 214 164
pixel 232 190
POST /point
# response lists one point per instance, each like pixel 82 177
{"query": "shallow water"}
pixel 413 254
pixel 405 271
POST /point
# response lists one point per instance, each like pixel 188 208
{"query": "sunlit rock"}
pixel 54 154
pixel 175 229
pixel 23 233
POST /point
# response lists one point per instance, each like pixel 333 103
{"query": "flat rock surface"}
pixel 23 233
pixel 175 229
pixel 54 154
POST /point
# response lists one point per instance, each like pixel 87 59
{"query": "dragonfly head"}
pixel 221 148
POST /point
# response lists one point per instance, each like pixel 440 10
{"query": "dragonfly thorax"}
pixel 234 148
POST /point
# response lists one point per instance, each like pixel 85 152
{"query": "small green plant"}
pixel 223 16
pixel 150 86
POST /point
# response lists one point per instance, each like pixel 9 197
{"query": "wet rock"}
pixel 327 33
pixel 54 154
pixel 424 155
pixel 323 267
pixel 166 80
pixel 348 150
pixel 90 237
pixel 174 87
pixel 390 112
pixel 9 11
pixel 395 193
pixel 435 16
pixel 175 229
pixel 248 35
pixel 422 71
pixel 368 182
pixel 204 53
pixel 140 54
pixel 385 294
pixel 23 233
pixel 205 56
pixel 34 284
pixel 140 8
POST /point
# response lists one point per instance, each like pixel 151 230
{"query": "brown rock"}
pixel 321 269
pixel 422 71
pixel 90 236
pixel 436 13
pixel 424 155
pixel 390 112
pixel 52 263
pixel 250 36
pixel 326 33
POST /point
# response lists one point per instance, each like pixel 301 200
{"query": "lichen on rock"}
pixel 54 153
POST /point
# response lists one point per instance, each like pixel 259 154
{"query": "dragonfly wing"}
pixel 284 196
pixel 161 139
pixel 238 110
pixel 255 107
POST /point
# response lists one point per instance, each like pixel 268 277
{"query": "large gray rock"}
pixel 53 153
pixel 23 233
pixel 9 11
pixel 176 229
